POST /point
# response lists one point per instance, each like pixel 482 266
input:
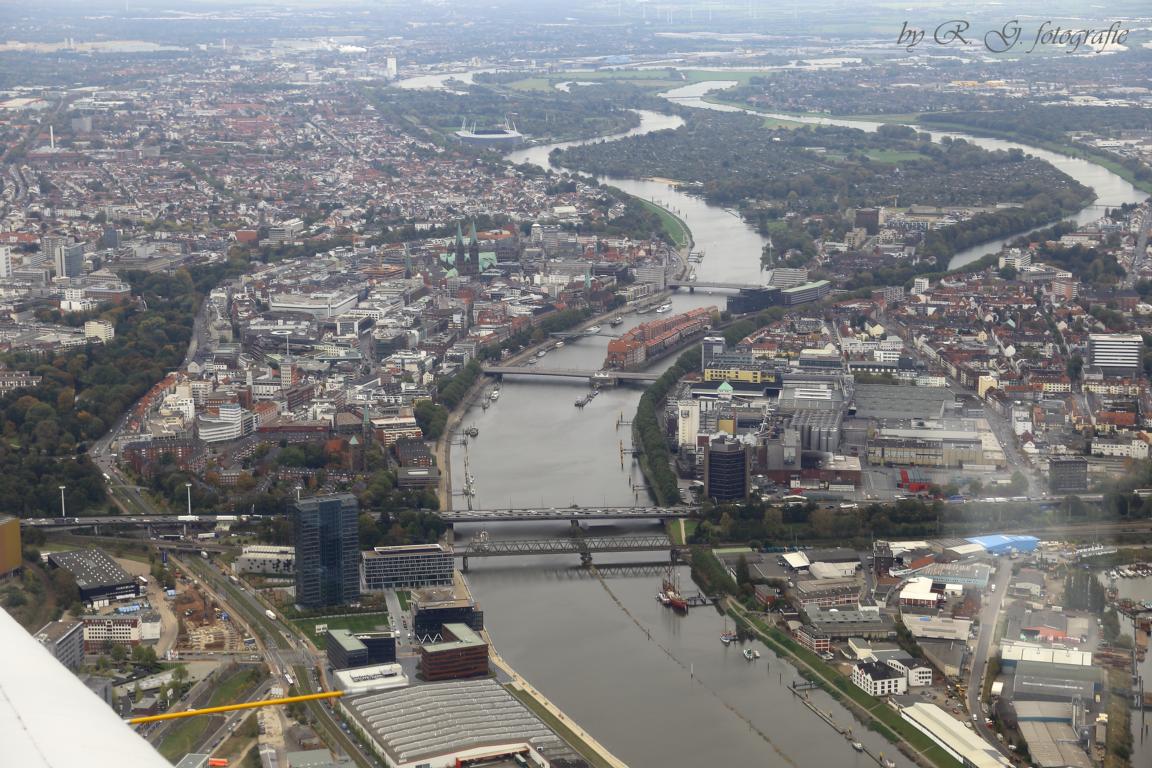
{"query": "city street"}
pixel 989 616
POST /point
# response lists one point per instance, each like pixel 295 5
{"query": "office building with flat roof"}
pixel 1116 354
pixel 269 560
pixel 1067 474
pixel 348 650
pixel 433 607
pixel 460 654
pixel 64 639
pixel 407 567
pixel 727 463
pixel 327 550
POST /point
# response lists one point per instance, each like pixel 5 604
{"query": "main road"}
pixel 989 618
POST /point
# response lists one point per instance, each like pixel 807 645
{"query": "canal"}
pixel 653 687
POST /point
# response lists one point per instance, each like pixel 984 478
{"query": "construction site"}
pixel 204 626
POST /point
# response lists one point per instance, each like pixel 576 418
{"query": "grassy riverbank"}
pixel 674 226
pixel 879 716
pixel 559 726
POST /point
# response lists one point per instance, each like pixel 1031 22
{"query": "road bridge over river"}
pixel 596 377
pixel 584 546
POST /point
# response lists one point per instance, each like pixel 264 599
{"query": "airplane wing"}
pixel 50 719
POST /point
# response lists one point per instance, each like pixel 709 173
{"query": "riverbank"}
pixel 874 712
pixel 553 716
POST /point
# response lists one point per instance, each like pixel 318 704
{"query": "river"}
pixel 654 688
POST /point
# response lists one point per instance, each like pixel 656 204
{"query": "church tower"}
pixel 473 252
pixel 461 254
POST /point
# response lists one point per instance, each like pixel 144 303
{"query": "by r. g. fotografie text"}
pixel 1012 36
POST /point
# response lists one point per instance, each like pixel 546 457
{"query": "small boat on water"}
pixel 533 361
pixel 748 654
pixel 560 344
pixel 728 636
pixel 857 746
pixel 664 308
pixel 541 353
pixel 495 395
pixel 472 431
pixel 618 320
pixel 886 762
pixel 755 653
pixel 594 329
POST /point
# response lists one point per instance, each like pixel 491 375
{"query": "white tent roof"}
pixel 796 560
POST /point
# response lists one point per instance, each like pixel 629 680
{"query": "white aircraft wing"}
pixel 50 719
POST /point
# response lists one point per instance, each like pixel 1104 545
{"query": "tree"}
pixel 1075 366
pixel 743 574
pixel 1008 273
pixel 119 653
pixel 145 656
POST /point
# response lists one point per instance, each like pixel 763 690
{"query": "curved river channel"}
pixel 656 689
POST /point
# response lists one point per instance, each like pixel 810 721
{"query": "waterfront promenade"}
pixel 518 682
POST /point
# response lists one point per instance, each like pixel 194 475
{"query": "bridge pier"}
pixel 586 559
pixel 464 565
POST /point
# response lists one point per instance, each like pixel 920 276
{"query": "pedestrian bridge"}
pixel 596 377
pixel 583 546
pixel 567 513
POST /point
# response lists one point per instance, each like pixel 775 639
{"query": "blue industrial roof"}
pixel 998 542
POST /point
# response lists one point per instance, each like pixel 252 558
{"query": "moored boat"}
pixel 857 746
pixel 618 320
pixel 748 654
pixel 594 329
pixel 727 637
pixel 671 592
